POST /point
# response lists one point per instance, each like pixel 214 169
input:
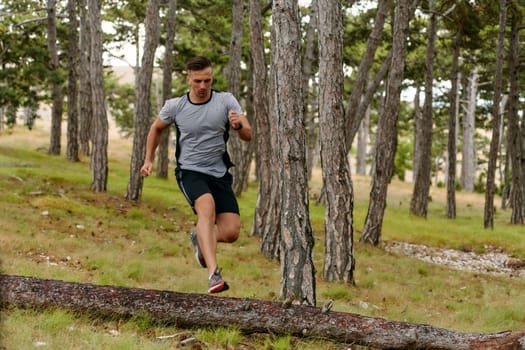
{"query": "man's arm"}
pixel 151 145
pixel 240 123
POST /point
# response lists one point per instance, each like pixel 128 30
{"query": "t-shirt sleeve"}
pixel 232 103
pixel 167 112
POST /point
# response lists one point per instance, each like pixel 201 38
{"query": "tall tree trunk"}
pixel 310 114
pixel 297 242
pixel 468 157
pixel 55 80
pixel 419 202
pixel 143 117
pixel 452 145
pixel 514 146
pixel 488 219
pixel 352 118
pixel 85 96
pixel 72 86
pixel 167 71
pixel 239 150
pixel 418 130
pixel 362 144
pixel 339 262
pixel 267 220
pixel 99 156
pixel 387 127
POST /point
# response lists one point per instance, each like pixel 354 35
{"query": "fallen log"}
pixel 187 310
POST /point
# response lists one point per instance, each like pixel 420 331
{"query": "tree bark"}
pixel 310 114
pixel 167 71
pixel 514 146
pixel 352 117
pixel 488 219
pixel 55 80
pixel 72 86
pixel 297 241
pixel 240 151
pixel 247 315
pixel 339 261
pixel 267 220
pixel 142 120
pixel 468 158
pixel 452 144
pixel 85 96
pixel 99 156
pixel 387 127
pixel 419 202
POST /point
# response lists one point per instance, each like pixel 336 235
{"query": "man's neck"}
pixel 194 98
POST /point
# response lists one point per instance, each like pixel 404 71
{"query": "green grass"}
pixel 53 226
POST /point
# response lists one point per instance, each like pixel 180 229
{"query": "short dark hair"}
pixel 198 63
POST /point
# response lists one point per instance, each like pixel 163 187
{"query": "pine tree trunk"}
pixel 85 96
pixel 55 80
pixel 452 145
pixel 418 130
pixel 72 86
pixel 387 127
pixel 514 146
pixel 362 144
pixel 241 152
pixel 419 202
pixel 488 219
pixel 296 250
pixel 353 119
pixel 99 156
pixel 167 71
pixel 142 120
pixel 267 221
pixel 339 261
pixel 248 315
pixel 468 158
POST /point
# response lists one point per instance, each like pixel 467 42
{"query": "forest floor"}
pixel 493 261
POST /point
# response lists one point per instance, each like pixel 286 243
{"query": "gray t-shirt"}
pixel 202 131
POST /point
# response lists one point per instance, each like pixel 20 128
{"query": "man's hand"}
pixel 146 169
pixel 235 119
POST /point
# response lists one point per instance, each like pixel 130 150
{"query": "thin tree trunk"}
pixel 239 150
pixel 352 118
pixel 85 97
pixel 167 71
pixel 297 242
pixel 451 145
pixel 310 114
pixel 362 144
pixel 419 202
pixel 99 156
pixel 143 118
pixel 514 146
pixel 267 219
pixel 247 315
pixel 418 130
pixel 55 80
pixel 387 127
pixel 72 86
pixel 468 158
pixel 488 219
pixel 339 261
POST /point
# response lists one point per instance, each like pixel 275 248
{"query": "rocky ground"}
pixel 494 261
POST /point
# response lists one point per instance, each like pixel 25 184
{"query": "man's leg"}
pixel 207 230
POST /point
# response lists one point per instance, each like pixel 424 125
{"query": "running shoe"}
pixel 216 284
pixel 198 254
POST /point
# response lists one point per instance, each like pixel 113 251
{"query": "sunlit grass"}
pixel 53 226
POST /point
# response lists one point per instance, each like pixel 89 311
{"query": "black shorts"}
pixel 194 184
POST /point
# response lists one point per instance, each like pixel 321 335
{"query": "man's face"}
pixel 200 83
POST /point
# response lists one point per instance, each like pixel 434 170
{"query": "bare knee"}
pixel 230 235
pixel 229 226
